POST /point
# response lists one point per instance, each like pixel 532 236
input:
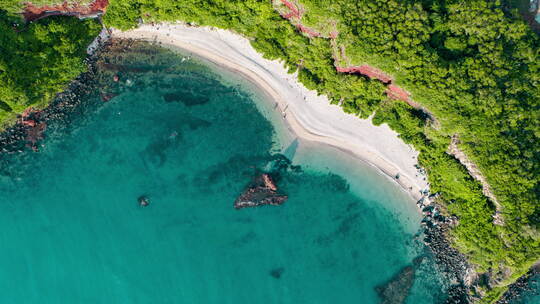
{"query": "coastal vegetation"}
pixel 38 60
pixel 474 65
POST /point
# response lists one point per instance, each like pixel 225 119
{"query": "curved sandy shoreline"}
pixel 309 116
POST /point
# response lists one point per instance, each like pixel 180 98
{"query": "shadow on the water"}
pixel 245 239
pixel 290 151
pixel 186 97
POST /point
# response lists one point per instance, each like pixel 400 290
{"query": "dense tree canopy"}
pixel 38 60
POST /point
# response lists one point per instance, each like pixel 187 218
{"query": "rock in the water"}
pixel 262 191
pixel 397 289
pixel 143 201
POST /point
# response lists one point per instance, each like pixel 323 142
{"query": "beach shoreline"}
pixel 308 115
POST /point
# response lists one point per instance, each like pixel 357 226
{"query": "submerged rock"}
pixel 277 272
pixel 397 289
pixel 261 191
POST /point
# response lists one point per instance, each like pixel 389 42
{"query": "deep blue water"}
pixel 191 137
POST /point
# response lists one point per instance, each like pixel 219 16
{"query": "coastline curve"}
pixel 308 115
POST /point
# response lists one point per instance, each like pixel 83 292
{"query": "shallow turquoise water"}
pixel 531 296
pixel 72 231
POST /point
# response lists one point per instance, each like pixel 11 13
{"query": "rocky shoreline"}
pixel 467 285
pixel 453 264
pixel 29 128
pixel 27 132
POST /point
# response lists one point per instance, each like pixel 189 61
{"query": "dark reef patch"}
pixel 187 98
pixel 195 123
pixel 245 239
pixel 396 290
pixel 277 272
pixel 156 152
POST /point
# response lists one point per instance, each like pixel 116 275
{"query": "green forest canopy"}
pixel 473 64
pixel 38 61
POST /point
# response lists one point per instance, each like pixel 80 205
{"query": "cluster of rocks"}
pixel 453 264
pixel 261 191
pixel 13 139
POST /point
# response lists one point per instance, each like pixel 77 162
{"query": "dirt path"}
pixel 473 170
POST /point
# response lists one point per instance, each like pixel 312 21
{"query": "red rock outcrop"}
pixel 368 71
pixel 308 31
pixel 296 14
pixel 97 7
pixel 395 92
pixel 294 11
pixel 35 128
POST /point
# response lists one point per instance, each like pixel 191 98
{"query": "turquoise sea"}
pixel 190 136
pixel 530 296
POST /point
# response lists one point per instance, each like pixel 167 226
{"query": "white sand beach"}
pixel 309 116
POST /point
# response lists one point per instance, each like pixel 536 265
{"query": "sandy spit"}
pixel 309 116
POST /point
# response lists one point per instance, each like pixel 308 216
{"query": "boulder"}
pixel 261 191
